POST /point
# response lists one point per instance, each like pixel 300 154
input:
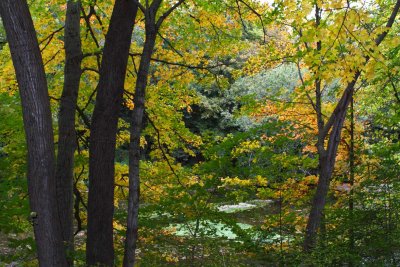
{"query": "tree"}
pixel 152 26
pixel 100 245
pixel 38 128
pixel 333 127
pixel 214 103
pixel 66 122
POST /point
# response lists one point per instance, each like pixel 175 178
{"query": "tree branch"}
pixel 167 13
pixel 141 7
pixel 389 24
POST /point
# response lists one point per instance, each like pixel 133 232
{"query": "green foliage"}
pixel 229 164
pixel 14 216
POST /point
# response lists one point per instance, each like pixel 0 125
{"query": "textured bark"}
pixel 134 148
pixel 99 247
pixel 38 129
pixel 66 124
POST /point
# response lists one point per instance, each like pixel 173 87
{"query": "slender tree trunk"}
pixel 152 25
pixel 351 174
pixel 38 129
pixel 134 148
pixel 327 157
pixel 99 246
pixel 326 166
pixel 66 124
pixel 318 204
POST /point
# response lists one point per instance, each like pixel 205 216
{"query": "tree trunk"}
pixel 351 182
pixel 66 124
pixel 99 246
pixel 38 129
pixel 318 204
pixel 134 148
pixel 326 166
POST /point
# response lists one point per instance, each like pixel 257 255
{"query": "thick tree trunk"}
pixel 38 128
pixel 66 124
pixel 134 148
pixel 99 247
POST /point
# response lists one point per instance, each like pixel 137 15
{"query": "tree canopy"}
pixel 199 133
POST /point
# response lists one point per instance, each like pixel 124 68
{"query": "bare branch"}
pixel 96 53
pixel 89 27
pixel 141 7
pixel 389 24
pixel 259 17
pixel 162 150
pixel 169 44
pixel 303 83
pixel 167 13
pixel 90 69
pixel 396 93
pixel 201 67
pixel 49 38
pixel 342 105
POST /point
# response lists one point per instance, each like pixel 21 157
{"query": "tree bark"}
pixel 99 246
pixel 134 148
pixel 66 124
pixel 318 204
pixel 351 182
pixel 327 158
pixel 152 25
pixel 37 119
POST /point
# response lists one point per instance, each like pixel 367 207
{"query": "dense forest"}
pixel 199 133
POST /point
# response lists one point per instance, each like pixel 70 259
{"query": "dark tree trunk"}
pixel 66 124
pixel 327 158
pixel 351 182
pixel 318 204
pixel 99 247
pixel 38 129
pixel 152 26
pixel 134 148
